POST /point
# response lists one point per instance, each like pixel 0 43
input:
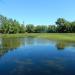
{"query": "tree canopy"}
pixel 10 26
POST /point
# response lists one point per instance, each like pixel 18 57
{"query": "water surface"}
pixel 33 56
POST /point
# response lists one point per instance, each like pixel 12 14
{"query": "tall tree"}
pixel 51 29
pixel 61 25
pixel 30 28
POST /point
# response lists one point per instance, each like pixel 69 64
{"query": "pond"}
pixel 35 56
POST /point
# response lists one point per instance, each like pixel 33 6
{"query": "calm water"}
pixel 33 56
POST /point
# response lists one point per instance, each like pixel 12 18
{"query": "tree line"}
pixel 11 26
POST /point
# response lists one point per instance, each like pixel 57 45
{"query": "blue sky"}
pixel 38 11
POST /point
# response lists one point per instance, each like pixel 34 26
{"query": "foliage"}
pixel 30 28
pixel 10 26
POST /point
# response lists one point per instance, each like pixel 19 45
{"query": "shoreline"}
pixel 51 36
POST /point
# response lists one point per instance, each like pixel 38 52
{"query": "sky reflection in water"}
pixel 33 56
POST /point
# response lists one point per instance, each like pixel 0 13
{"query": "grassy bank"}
pixel 52 36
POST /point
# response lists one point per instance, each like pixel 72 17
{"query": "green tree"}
pixel 40 29
pixel 51 29
pixel 9 25
pixel 22 29
pixel 30 28
pixel 61 27
pixel 72 26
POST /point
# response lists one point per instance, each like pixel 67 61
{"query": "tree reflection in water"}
pixel 61 45
pixel 9 44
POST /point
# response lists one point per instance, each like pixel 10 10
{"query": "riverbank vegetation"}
pixel 10 26
pixel 69 37
pixel 62 30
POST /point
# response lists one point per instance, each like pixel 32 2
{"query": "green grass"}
pixel 60 36
pixel 52 36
